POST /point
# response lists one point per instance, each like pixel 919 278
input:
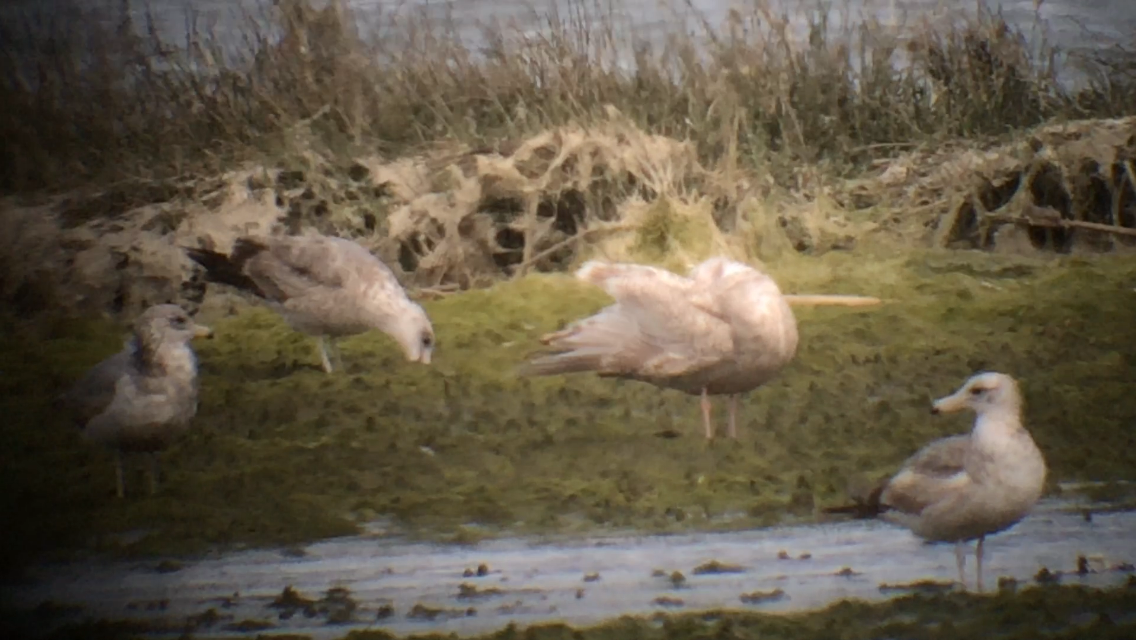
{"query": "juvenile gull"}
pixel 326 287
pixel 143 397
pixel 725 329
pixel 966 487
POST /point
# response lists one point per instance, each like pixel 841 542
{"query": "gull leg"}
pixel 118 484
pixel 706 415
pixel 960 558
pixel 978 558
pixel 324 360
pixel 733 426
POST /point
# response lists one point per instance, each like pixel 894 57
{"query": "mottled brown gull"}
pixel 326 287
pixel 724 329
pixel 143 397
pixel 969 486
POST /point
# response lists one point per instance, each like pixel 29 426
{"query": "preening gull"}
pixel 326 287
pixel 143 397
pixel 725 329
pixel 969 486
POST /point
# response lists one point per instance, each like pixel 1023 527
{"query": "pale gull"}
pixel 143 397
pixel 725 329
pixel 969 486
pixel 326 287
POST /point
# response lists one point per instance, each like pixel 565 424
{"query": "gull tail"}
pixel 551 363
pixel 594 344
pixel 227 269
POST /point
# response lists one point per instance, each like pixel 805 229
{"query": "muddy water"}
pixel 545 582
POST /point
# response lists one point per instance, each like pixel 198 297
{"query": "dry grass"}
pixel 757 97
pixel 465 166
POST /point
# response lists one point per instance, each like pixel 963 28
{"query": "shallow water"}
pixel 545 582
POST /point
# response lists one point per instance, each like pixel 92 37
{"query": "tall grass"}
pixel 87 100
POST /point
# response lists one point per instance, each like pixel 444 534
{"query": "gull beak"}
pixel 202 331
pixel 950 404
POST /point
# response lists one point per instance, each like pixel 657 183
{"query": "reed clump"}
pixel 101 98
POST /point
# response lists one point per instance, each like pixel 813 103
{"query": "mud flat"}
pixel 329 588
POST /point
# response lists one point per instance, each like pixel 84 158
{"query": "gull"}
pixel 326 287
pixel 724 329
pixel 142 398
pixel 966 487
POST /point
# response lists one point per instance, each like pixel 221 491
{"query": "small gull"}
pixel 968 486
pixel 326 287
pixel 143 397
pixel 725 329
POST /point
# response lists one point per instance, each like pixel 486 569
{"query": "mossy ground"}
pixel 283 453
pixel 1056 612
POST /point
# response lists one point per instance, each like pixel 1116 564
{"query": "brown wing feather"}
pixel 297 264
pixel 920 479
pixel 94 392
pixel 926 476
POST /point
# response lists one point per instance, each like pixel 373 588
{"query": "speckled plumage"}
pixel 725 329
pixel 324 286
pixel 967 487
pixel 142 398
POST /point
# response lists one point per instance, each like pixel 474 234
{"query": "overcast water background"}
pixel 1071 25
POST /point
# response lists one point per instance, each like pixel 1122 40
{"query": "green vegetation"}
pixel 1057 612
pixel 283 453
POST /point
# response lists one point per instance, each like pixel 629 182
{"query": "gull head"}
pixel 415 334
pixel 982 393
pixel 168 324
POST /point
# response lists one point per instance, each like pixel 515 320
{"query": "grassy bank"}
pixel 283 453
pixel 751 95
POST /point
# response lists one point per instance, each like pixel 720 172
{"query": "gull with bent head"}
pixel 323 286
pixel 143 397
pixel 724 329
pixel 966 487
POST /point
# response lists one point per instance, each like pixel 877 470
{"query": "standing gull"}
pixel 143 397
pixel 725 329
pixel 966 487
pixel 323 286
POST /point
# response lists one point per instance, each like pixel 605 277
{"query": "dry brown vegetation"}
pixel 88 99
pixel 464 166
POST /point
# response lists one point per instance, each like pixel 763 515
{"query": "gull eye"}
pixel 179 322
pixel 976 391
pixel 427 340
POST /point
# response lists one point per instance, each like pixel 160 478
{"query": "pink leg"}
pixel 960 559
pixel 733 428
pixel 706 415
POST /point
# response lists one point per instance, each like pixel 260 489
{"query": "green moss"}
pixel 283 453
pixel 1053 612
